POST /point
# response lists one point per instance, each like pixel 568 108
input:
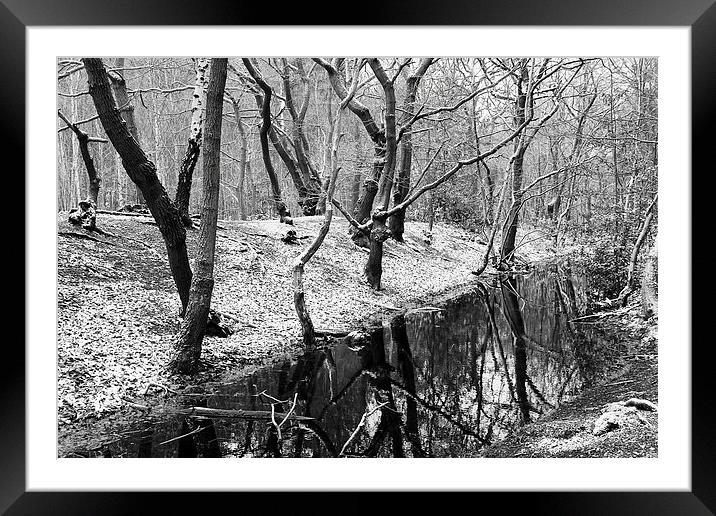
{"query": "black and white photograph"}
pixel 357 257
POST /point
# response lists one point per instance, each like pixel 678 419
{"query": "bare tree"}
pixel 84 140
pixel 309 338
pixel 369 189
pixel 396 223
pixel 528 77
pixel 279 204
pixel 188 343
pixel 143 173
pixel 630 286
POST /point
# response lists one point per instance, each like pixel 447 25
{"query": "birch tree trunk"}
pixel 650 284
pixel 188 344
pixel 191 156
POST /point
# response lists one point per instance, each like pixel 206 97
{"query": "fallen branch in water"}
pixel 363 418
pixel 600 315
pixel 239 414
pixel 195 431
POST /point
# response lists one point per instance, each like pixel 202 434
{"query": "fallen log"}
pixel 124 213
pixel 241 414
pixel 330 332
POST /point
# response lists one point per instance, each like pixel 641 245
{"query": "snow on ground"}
pixel 118 308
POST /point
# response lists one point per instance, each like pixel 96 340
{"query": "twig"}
pixel 273 420
pixel 620 383
pixel 275 400
pixel 134 405
pixel 360 425
pixel 295 399
pixel 163 387
pixel 600 315
pixel 195 431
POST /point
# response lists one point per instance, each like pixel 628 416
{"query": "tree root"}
pixel 84 236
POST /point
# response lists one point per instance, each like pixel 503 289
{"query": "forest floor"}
pixel 118 310
pixel 599 422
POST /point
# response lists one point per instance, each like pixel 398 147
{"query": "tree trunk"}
pixel 126 109
pixel 191 156
pixel 650 284
pixel 396 223
pixel 508 241
pixel 321 206
pixel 379 233
pixel 391 149
pixel 306 197
pixel 143 173
pixel 631 273
pixel 84 140
pixel 243 151
pixel 364 205
pixel 489 196
pixel 309 175
pixel 493 232
pixel 94 180
pixel 284 215
pixel 188 344
pixel 329 186
pixel 357 176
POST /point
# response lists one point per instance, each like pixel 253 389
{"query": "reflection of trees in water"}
pixel 517 327
pixel 431 383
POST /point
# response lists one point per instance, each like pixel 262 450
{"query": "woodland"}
pixel 338 177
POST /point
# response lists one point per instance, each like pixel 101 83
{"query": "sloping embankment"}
pixel 118 308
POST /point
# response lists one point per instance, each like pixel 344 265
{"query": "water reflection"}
pixel 430 383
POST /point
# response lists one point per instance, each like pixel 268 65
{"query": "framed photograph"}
pixel 444 248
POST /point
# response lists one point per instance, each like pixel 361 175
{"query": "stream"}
pixel 432 382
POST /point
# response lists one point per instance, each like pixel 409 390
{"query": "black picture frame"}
pixel 700 15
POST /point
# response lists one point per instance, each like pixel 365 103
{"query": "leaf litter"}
pixel 118 309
